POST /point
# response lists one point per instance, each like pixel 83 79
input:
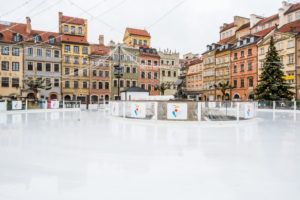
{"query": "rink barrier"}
pixel 184 110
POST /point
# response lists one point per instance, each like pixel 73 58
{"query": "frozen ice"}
pixel 90 155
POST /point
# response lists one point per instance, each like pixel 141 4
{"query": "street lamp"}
pixel 118 75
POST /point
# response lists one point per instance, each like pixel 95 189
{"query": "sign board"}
pixel 16 105
pixel 177 111
pixel 114 109
pixel 3 106
pixel 54 104
pixel 249 111
pixel 138 110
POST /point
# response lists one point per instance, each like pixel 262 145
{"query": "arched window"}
pixel 52 40
pixel 236 97
pixel 37 38
pixel 53 96
pixel 67 98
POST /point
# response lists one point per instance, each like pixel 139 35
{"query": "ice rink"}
pixel 89 155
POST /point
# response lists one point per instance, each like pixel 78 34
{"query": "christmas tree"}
pixel 272 86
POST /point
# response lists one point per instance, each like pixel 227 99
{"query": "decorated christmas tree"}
pixel 271 85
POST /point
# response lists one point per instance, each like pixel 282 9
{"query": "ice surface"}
pixel 87 156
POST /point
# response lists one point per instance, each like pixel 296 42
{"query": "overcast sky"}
pixel 182 25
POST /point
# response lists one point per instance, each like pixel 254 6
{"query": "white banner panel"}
pixel 177 111
pixel 138 110
pixel 54 104
pixel 249 111
pixel 16 105
pixel 3 106
pixel 115 109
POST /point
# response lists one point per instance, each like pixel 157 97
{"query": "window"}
pixel 121 83
pixel 106 73
pixel 116 57
pixel 84 72
pixel 67 48
pixel 149 62
pixel 134 70
pixel 5 82
pixel 298 15
pixel 56 82
pixel 29 66
pixel 15 51
pixel 149 75
pixel 100 85
pixel 79 30
pixel 128 58
pixel 66 28
pixel 262 51
pixel 17 37
pixel 37 38
pixel 76 60
pixel 127 69
pixel 235 55
pixel 122 57
pixel 280 46
pixel 133 83
pixel 75 84
pixel 140 42
pixel 5 66
pixel 52 40
pixel 48 53
pixel 291 59
pixel 251 82
pixel 128 84
pixel 84 85
pixel 5 50
pixel 149 87
pixel 100 73
pixel 67 84
pixel 107 85
pixel 291 43
pixel 281 59
pixel 169 74
pixel 84 61
pixel 115 83
pixel 48 67
pixel 101 63
pixel 39 52
pixel 242 83
pixel 40 67
pixel 155 63
pixel 75 72
pixel 76 49
pixel 142 62
pixel 249 52
pixel 174 74
pixel 122 69
pixel 30 51
pixel 145 42
pixel 67 59
pixel 56 54
pixel 155 75
pixel 242 54
pixel 106 63
pixel 56 67
pixel 163 73
pixel 290 18
pixel 143 75
pixel 250 66
pixel 235 83
pixel 15 82
pixel 85 50
pixel 235 69
pixel 143 86
pixel 173 62
pixel 134 42
pixel 162 62
pixel 48 81
pixel 242 68
pixel 72 29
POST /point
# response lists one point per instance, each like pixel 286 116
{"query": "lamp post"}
pixel 118 75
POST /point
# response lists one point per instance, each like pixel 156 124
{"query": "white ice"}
pixel 91 156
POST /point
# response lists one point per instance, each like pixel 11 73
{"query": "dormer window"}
pixel 1 36
pixel 208 48
pixel 66 28
pixel 37 38
pixel 52 40
pixel 17 37
pixel 252 39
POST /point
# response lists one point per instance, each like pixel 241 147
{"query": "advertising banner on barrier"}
pixel 249 111
pixel 177 111
pixel 114 109
pixel 3 106
pixel 138 110
pixel 16 105
pixel 54 104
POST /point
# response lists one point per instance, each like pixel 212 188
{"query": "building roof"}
pixel 74 39
pixel 44 36
pixel 224 41
pixel 140 32
pixel 72 20
pixel 293 8
pixel 247 25
pixel 228 26
pixel 195 61
pixel 135 89
pixel 293 27
pixel 11 28
pixel 99 52
pixel 268 19
pixel 265 32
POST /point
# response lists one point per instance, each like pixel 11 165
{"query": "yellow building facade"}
pixel 134 37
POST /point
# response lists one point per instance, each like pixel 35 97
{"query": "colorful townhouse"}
pixel 169 69
pixel 136 37
pixel 11 59
pixel 149 70
pixel 100 72
pixel 75 51
pixel 42 59
pixel 285 41
pixel 194 80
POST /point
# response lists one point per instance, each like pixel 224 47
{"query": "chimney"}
pixel 28 25
pixel 101 40
pixel 60 14
pixel 254 19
